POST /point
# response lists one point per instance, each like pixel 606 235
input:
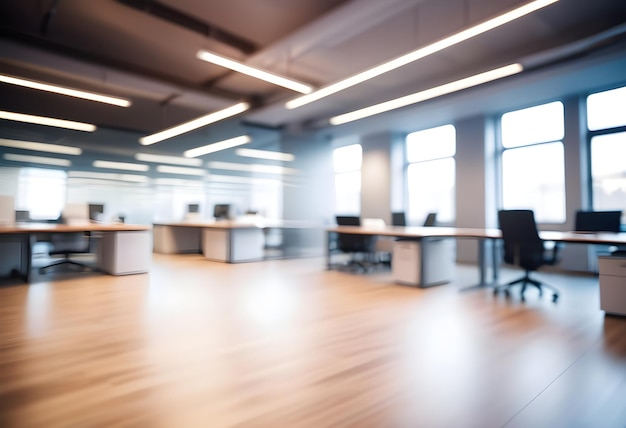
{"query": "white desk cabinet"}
pixel 422 263
pixel 613 285
pixel 233 245
pixel 125 252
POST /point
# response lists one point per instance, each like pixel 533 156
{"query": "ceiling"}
pixel 145 50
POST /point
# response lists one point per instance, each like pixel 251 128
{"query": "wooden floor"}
pixel 285 343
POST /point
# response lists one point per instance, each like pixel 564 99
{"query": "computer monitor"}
pixel 22 215
pixel 398 219
pixel 344 220
pixel 221 211
pixel 193 208
pixel 598 221
pixel 96 211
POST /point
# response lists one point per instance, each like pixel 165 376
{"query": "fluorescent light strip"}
pixel 40 147
pixel 268 169
pixel 194 124
pixel 121 102
pixel 420 53
pixel 177 182
pixel 133 178
pixel 37 159
pixel 265 154
pixel 175 160
pixel 120 165
pixel 215 179
pixel 254 72
pixel 48 121
pixel 216 147
pixel 180 170
pixel 437 91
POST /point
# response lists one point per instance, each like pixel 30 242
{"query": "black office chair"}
pixel 362 248
pixel 524 248
pixel 66 244
pixel 431 220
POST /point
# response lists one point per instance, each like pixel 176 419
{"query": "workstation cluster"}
pixel 422 255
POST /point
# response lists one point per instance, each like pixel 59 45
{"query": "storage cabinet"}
pixel 613 284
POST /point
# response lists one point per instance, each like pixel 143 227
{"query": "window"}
pixel 347 164
pixel 607 135
pixel 606 109
pixel 533 167
pixel 431 174
pixel 41 192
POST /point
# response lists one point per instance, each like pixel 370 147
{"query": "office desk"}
pixel 425 233
pixel 230 241
pixel 225 240
pixel 482 235
pixel 123 248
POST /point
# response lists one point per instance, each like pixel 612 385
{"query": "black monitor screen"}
pixel 398 219
pixel 96 211
pixel 221 211
pixel 193 208
pixel 598 221
pixel 344 220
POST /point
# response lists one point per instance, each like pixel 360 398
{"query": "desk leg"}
pixel 30 239
pixel 328 250
pixel 482 258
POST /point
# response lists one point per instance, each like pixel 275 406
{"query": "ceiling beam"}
pixel 192 23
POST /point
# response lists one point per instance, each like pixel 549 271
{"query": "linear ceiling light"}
pixel 235 179
pixel 133 178
pixel 254 72
pixel 48 121
pixel 180 170
pixel 427 94
pixel 216 147
pixel 121 102
pixel 265 154
pixel 40 147
pixel 268 169
pixel 175 160
pixel 194 124
pixel 127 166
pixel 419 53
pixel 177 182
pixel 37 159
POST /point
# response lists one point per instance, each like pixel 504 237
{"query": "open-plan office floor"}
pixel 195 343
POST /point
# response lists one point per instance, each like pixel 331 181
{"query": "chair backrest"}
pixel 431 220
pixel 598 221
pixel 522 245
pixel 344 220
pixel 398 219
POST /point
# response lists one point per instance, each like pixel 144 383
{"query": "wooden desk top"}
pixel 606 238
pixel 601 238
pixel 67 228
pixel 420 232
pixel 239 224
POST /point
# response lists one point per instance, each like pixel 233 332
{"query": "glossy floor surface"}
pixel 286 343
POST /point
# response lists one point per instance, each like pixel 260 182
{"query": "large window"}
pixel 347 164
pixel 431 174
pixel 533 169
pixel 41 192
pixel 606 120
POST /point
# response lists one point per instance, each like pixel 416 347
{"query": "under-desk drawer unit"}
pixel 613 285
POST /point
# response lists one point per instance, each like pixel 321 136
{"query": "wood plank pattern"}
pixel 286 343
